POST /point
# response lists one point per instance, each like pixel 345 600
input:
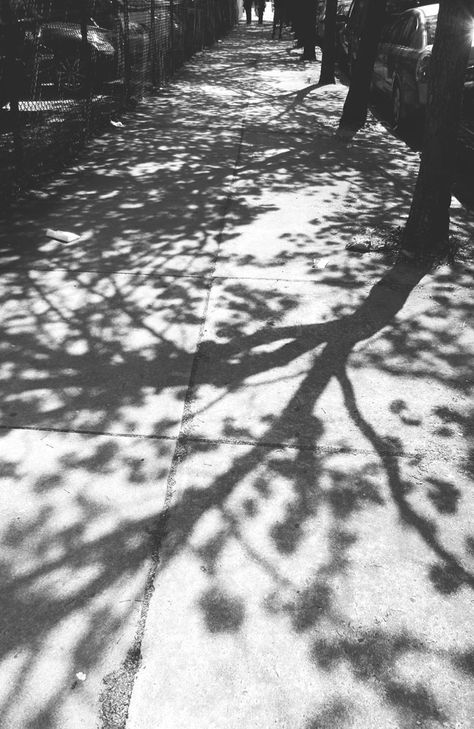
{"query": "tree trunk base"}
pixel 346 134
pixel 326 80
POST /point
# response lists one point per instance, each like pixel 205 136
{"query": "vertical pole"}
pixel 154 49
pixel 86 67
pixel 172 35
pixel 126 49
pixel 118 32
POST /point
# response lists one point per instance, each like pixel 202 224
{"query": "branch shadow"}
pixel 98 341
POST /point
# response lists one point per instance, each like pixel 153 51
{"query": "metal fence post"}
pixel 172 35
pixel 85 66
pixel 126 50
pixel 153 43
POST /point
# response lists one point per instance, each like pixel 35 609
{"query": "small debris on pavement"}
pixel 62 235
pixel 81 676
pixel 359 246
pixel 320 263
pixel 117 123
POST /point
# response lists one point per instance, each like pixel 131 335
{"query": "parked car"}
pixel 65 41
pixel 341 19
pixel 343 8
pixel 105 40
pixel 48 50
pixel 403 59
pixel 350 34
pixel 320 24
pixel 28 68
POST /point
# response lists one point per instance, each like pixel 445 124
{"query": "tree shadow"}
pixel 130 345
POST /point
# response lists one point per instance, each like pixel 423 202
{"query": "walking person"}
pixel 260 8
pixel 248 4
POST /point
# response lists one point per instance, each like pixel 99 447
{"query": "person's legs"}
pixel 248 12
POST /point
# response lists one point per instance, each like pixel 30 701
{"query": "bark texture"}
pixel 304 25
pixel 426 233
pixel 328 64
pixel 354 114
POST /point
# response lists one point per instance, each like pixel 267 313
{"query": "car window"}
pixel 386 35
pixel 430 27
pixel 404 33
pixel 343 7
pixel 103 13
pixel 65 10
pixel 409 34
pixel 395 32
pixel 357 15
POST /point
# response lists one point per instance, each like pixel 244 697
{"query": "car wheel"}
pixel 69 75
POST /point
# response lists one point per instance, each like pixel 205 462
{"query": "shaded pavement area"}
pixel 237 459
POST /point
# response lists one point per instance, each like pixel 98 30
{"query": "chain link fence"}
pixel 68 66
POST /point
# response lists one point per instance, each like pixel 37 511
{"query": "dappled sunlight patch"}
pixel 159 218
pixel 335 610
pixel 315 551
pixel 92 353
pixel 74 561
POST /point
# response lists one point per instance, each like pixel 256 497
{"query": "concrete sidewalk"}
pixel 237 459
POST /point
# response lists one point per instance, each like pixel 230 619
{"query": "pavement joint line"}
pixel 78 431
pixel 161 523
pixel 195 362
pixel 210 277
pixel 183 439
pixel 106 271
pixel 269 445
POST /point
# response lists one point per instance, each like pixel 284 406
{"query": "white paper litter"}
pixel 320 263
pixel 62 235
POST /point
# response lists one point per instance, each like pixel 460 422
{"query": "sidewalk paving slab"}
pixel 147 199
pixel 210 370
pixel 95 353
pixel 76 520
pixel 291 595
pixel 316 571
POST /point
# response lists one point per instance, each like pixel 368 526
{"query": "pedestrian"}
pixel 260 9
pixel 248 4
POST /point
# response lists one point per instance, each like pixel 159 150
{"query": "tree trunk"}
pixel 328 64
pixel 354 114
pixel 308 29
pixel 426 234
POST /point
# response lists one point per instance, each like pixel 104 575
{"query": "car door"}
pixel 407 57
pixel 354 26
pixel 379 77
pixel 394 53
pixel 387 53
